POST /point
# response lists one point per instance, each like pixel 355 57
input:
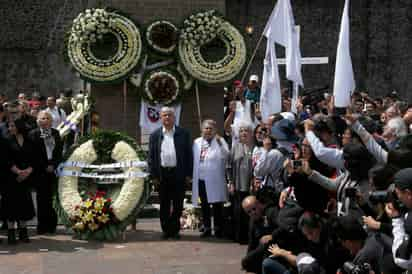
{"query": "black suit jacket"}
pixel 184 156
pixel 41 160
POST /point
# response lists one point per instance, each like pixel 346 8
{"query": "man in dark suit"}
pixel 170 164
pixel 48 147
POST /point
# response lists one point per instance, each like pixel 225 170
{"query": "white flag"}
pixel 149 119
pixel 270 95
pixel 281 28
pixel 344 82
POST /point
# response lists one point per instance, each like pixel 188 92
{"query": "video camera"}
pixel 351 268
pixel 314 95
pixel 387 196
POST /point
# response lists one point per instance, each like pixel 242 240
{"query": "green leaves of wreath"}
pixel 104 46
pixel 204 32
pixel 103 147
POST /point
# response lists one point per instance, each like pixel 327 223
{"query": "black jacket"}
pixel 40 149
pixel 184 155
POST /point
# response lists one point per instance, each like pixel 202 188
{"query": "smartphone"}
pixel 296 164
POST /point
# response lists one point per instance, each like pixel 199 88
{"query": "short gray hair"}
pixel 244 124
pixel 167 109
pixel 208 122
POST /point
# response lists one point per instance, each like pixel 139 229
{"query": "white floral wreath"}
pixel 130 193
pixel 153 44
pixel 120 64
pixel 215 72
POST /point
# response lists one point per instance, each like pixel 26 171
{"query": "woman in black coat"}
pixel 17 190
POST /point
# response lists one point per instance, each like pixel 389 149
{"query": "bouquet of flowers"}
pixel 91 25
pixel 93 213
pixel 201 28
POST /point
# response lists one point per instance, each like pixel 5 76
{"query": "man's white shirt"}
pixel 167 149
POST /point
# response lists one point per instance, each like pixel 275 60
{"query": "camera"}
pixel 296 164
pixel 351 268
pixel 387 196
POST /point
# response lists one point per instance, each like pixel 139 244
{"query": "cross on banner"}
pixel 304 61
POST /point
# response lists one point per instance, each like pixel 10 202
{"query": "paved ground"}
pixel 141 253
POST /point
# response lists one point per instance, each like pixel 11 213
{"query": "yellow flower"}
pixel 103 218
pixel 93 226
pixel 88 203
pixel 88 216
pixel 79 226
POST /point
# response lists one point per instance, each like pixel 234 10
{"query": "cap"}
pixel 254 77
pixel 237 83
pixel 403 179
pixel 283 130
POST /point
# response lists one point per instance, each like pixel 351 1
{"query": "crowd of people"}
pixel 320 190
pixel 31 149
pixel 314 190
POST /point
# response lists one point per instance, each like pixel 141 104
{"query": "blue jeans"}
pixel 271 266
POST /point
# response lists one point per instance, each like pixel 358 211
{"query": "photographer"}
pixel 402 224
pixel 352 187
pixel 367 251
pixel 263 217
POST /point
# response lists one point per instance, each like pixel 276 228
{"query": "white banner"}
pixel 124 164
pixel 95 175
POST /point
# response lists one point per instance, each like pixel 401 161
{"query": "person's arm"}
pixel 399 236
pixel 224 148
pixel 373 147
pixel 330 156
pixel 325 182
pixel 267 161
pixel 189 155
pixel 279 252
pixel 229 121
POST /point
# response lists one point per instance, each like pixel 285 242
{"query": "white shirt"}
pixel 167 149
pixel 58 116
pixel 204 148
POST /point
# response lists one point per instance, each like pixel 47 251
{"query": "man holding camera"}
pixel 402 223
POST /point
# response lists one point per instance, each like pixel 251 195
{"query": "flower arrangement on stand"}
pixel 103 215
pixel 93 213
pixel 96 29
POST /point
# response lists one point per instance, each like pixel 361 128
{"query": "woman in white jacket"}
pixel 210 153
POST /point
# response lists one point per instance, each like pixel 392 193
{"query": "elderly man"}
pixel 170 164
pixel 48 148
pixel 58 114
pixel 210 153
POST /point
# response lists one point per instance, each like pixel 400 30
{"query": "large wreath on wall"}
pixel 162 36
pixel 103 46
pixel 210 48
pixel 102 207
pixel 162 86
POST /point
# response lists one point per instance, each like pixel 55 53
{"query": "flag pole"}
pixel 251 59
pixel 198 105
